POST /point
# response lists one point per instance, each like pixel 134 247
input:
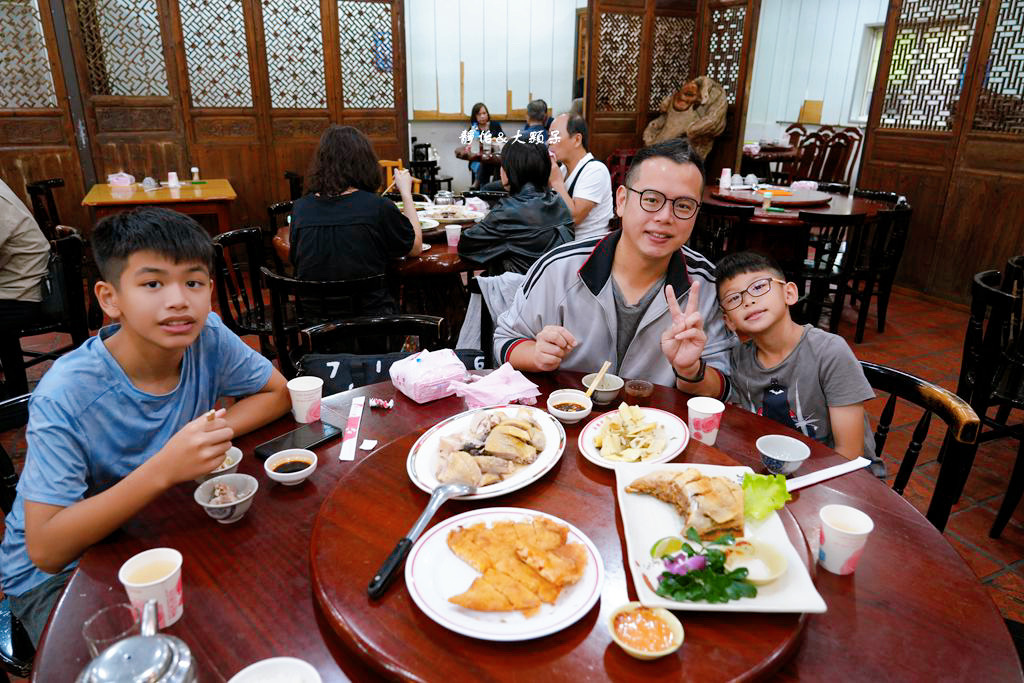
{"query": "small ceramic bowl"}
pixel 278 669
pixel 232 459
pixel 228 513
pixel 764 562
pixel 782 454
pixel 609 389
pixel 290 478
pixel 659 612
pixel 569 396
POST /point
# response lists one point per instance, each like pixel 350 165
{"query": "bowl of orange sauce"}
pixel 645 632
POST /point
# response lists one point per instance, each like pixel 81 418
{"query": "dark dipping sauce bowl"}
pixel 638 391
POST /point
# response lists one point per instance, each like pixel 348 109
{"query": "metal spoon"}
pixel 382 579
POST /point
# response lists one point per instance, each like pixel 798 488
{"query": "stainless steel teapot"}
pixel 148 658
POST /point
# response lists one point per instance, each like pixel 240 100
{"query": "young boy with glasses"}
pixel 798 375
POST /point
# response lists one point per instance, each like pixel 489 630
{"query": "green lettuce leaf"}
pixel 763 493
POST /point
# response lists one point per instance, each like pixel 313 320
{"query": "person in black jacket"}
pixel 531 221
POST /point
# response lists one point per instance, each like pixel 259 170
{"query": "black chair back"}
pixel 421 151
pixel 962 427
pixel 294 184
pixel 829 265
pixel 238 256
pixel 44 207
pixel 299 304
pixel 720 230
pixel 491 197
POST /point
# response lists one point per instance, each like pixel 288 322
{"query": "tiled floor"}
pixel 923 338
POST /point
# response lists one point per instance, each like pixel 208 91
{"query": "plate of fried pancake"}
pixel 661 500
pixel 504 574
pixel 496 450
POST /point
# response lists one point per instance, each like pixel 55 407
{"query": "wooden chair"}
pixel 44 207
pixel 720 230
pixel 389 168
pixel 835 166
pixel 279 216
pixel 294 184
pixel 880 255
pixel 63 310
pixel 962 426
pixel 811 156
pixel 238 256
pixel 618 164
pixel 827 270
pixel 299 304
pixel 796 132
pixel 16 650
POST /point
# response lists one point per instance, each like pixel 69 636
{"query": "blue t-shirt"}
pixel 89 426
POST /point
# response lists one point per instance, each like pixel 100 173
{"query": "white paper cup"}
pixel 703 417
pixel 306 393
pixel 172 179
pixel 453 233
pixel 155 574
pixel 844 531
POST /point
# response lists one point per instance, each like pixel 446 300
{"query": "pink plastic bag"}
pixel 428 375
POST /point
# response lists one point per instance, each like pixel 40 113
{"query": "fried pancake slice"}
pixel 529 577
pixel 462 542
pixel 519 595
pixel 560 566
pixel 482 596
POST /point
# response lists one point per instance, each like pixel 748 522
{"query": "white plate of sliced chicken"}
pixel 504 574
pixel 497 450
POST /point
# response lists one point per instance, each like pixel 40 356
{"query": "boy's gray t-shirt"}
pixel 820 372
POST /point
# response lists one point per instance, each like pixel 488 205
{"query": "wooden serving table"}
pixel 211 197
pixel 913 610
pixel 487 158
pixel 796 199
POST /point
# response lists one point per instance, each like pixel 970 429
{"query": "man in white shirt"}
pixel 583 182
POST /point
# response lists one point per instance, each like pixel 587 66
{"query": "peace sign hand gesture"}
pixel 683 342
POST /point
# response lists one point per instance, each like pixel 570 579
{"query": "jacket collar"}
pixel 596 270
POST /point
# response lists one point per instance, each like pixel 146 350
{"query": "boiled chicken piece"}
pixel 460 467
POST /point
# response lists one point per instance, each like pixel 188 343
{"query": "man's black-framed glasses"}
pixel 755 289
pixel 652 200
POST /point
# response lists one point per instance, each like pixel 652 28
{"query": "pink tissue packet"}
pixel 428 375
pixel 504 385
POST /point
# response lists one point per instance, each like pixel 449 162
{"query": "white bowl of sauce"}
pixel 764 562
pixel 569 405
pixel 645 632
pixel 291 466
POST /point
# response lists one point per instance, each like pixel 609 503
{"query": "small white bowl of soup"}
pixel 645 632
pixel 569 405
pixel 764 562
pixel 291 466
pixel 607 390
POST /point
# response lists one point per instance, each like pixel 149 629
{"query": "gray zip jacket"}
pixel 571 286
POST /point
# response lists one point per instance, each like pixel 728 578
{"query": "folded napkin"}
pixel 804 185
pixel 504 385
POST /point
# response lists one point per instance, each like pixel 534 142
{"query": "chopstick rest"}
pixel 827 473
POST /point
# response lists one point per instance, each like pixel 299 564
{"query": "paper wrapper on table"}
pixel 477 204
pixel 504 385
pixel 428 375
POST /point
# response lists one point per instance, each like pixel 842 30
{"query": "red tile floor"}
pixel 924 338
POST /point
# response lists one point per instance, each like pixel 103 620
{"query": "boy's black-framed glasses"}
pixel 652 201
pixel 755 289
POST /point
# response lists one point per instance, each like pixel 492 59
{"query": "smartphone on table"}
pixel 307 436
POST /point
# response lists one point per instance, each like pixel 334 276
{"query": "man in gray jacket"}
pixel 615 297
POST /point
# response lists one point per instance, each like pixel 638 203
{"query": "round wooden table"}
pixel 796 199
pixel 913 610
pixel 839 204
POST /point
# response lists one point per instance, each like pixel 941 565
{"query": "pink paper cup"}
pixel 844 531
pixel 306 393
pixel 155 574
pixel 453 233
pixel 703 417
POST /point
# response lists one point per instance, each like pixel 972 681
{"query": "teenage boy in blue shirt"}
pixel 118 421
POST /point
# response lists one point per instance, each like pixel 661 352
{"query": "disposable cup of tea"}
pixel 453 233
pixel 844 531
pixel 703 417
pixel 306 393
pixel 155 574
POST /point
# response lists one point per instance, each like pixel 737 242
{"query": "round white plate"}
pixel 424 454
pixel 433 573
pixel 465 216
pixel 275 669
pixel 675 431
pixel 427 223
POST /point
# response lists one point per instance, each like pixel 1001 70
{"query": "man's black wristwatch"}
pixel 693 380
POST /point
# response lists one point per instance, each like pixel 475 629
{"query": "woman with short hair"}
pixel 341 228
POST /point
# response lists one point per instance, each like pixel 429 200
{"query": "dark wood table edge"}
pixel 781 202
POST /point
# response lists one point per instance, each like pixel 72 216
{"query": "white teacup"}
pixel 155 573
pixel 844 531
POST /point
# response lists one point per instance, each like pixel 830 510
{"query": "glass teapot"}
pixel 150 657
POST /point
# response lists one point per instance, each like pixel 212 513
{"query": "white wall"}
pixel 807 50
pixel 522 46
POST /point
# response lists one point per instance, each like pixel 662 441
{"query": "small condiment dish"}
pixel 232 459
pixel 782 454
pixel 228 513
pixel 607 391
pixel 289 669
pixel 290 454
pixel 661 613
pixel 763 561
pixel 575 396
